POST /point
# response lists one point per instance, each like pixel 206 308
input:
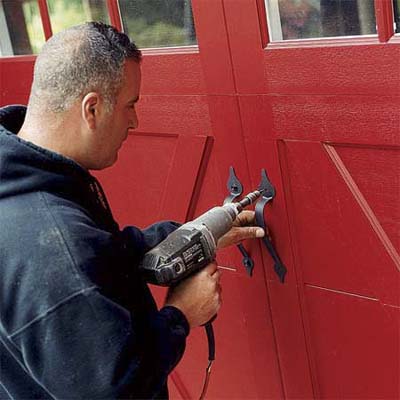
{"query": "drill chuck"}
pixel 248 199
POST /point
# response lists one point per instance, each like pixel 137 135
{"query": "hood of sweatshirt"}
pixel 26 167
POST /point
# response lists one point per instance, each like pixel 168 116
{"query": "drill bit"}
pixel 248 199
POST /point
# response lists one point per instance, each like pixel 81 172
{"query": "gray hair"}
pixel 78 60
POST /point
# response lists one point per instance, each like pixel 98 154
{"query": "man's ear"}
pixel 91 105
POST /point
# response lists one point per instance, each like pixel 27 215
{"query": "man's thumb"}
pixel 255 232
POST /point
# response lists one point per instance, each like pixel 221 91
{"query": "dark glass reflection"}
pixel 396 9
pixel 158 23
pixel 21 28
pixel 302 19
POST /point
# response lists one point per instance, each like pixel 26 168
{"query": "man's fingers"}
pixel 211 268
pixel 217 275
pixel 245 218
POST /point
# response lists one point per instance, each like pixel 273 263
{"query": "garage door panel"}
pixel 142 167
pixel 186 65
pixel 324 70
pixel 337 245
pixel 344 118
pixel 16 75
pixel 290 340
pixel 284 298
pixel 355 342
pixel 174 114
pixel 375 171
pixel 338 119
pixel 246 364
pixel 304 93
pixel 162 169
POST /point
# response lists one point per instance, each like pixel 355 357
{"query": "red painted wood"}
pixel 229 145
pixel 190 160
pixel 187 66
pixel 341 227
pixel 114 13
pixel 155 177
pixel 247 49
pixel 348 254
pixel 384 19
pixel 243 337
pixel 262 18
pixel 285 307
pixel 312 71
pixel 293 71
pixel 246 346
pixel 175 114
pixel 322 117
pixel 356 345
pixel 45 17
pixel 15 91
pixel 213 41
pixel 345 119
pixel 375 171
pixel 140 173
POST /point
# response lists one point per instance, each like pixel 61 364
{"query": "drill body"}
pixel 192 246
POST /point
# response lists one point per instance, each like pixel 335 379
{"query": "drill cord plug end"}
pixel 206 380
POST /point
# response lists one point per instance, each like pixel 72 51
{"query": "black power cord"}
pixel 211 356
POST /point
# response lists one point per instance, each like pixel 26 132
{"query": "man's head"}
pixel 86 82
pixel 82 59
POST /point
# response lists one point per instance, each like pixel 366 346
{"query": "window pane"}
pixel 66 13
pixel 158 23
pixel 396 7
pixel 21 30
pixel 303 19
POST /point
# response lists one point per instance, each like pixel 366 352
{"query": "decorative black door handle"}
pixel 268 194
pixel 235 189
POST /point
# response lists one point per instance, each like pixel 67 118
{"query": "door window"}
pixel 305 19
pixel 158 23
pixel 396 9
pixel 66 13
pixel 21 29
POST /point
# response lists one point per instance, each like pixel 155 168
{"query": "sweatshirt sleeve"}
pixel 91 328
pixel 90 347
pixel 141 241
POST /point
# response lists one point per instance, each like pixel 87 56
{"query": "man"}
pixel 76 318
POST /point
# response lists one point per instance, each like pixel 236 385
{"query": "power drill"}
pixel 193 245
pixel 189 249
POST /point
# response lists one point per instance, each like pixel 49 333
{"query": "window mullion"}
pixel 115 14
pixel 384 19
pixel 45 17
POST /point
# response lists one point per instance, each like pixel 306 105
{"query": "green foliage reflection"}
pixel 150 23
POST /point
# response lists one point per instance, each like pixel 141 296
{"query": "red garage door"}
pixel 319 107
pixel 309 90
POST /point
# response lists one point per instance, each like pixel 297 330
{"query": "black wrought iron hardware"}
pixel 235 189
pixel 268 194
pixel 234 186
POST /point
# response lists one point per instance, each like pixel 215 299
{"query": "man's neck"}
pixel 52 134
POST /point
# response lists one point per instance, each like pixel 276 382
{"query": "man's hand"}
pixel 243 228
pixel 199 296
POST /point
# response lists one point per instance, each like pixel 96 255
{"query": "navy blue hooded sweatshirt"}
pixel 76 319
